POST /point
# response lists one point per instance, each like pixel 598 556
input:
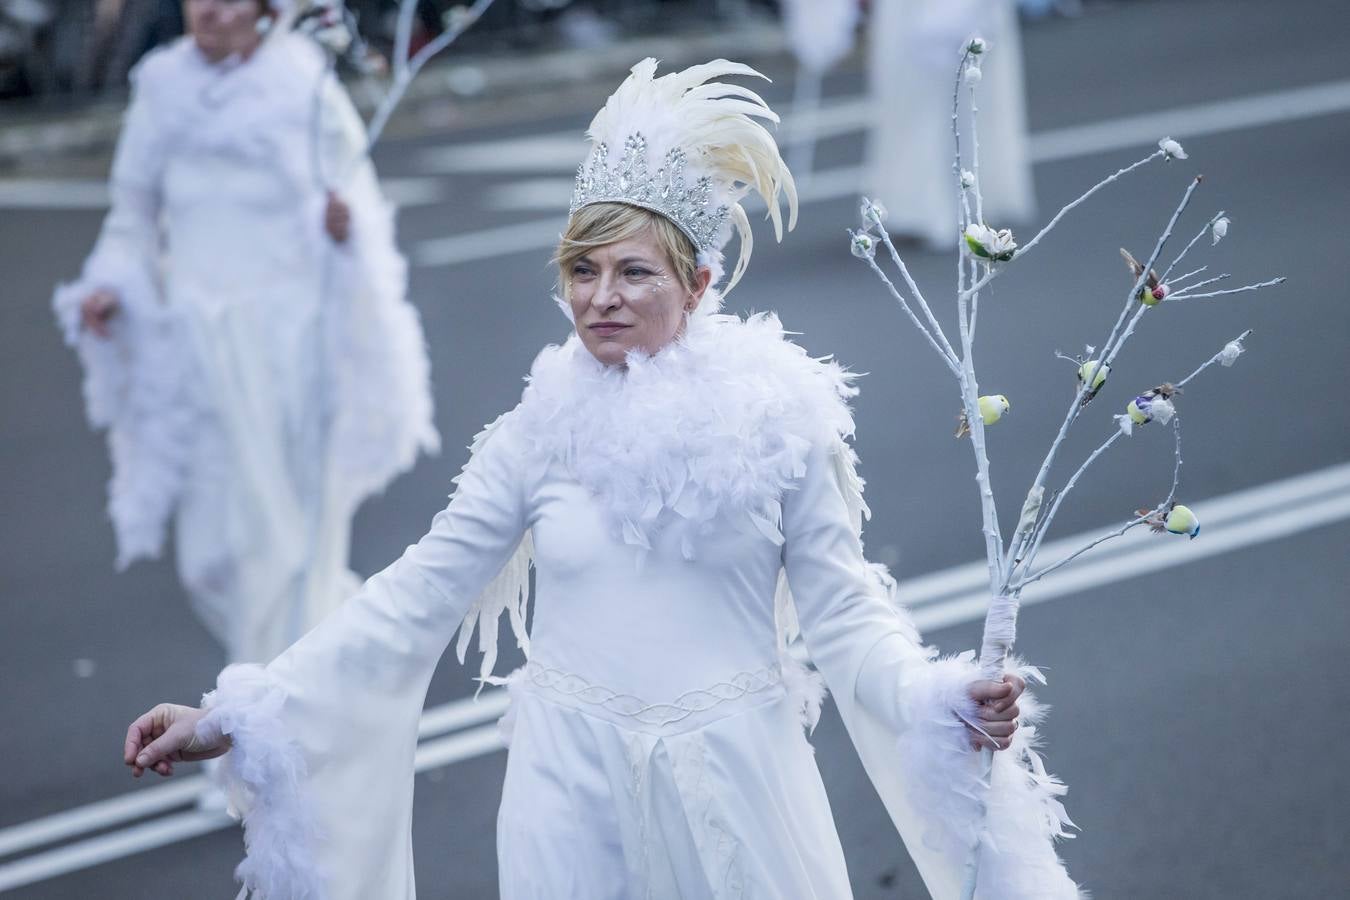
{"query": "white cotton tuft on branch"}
pixel 1171 148
pixel 1230 352
pixel 1219 229
pixel 1162 410
pixel 1126 424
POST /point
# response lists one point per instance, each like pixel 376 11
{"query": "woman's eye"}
pixel 582 271
pixel 636 272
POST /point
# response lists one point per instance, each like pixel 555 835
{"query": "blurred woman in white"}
pixel 244 331
pixel 913 55
pixel 683 483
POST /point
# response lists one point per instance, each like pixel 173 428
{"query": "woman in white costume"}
pixel 911 70
pixel 244 331
pixel 682 483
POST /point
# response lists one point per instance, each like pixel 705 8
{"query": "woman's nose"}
pixel 607 294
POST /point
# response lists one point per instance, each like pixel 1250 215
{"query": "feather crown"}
pixel 688 149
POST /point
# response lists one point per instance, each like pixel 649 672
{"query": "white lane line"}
pixel 1164 554
pixel 563 151
pixel 831 184
pixel 1257 501
pixel 92 193
pixel 107 847
pixel 100 814
pixel 1265 511
pixel 460 714
pixel 1215 117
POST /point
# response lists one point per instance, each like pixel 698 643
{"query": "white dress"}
pixel 912 60
pixel 657 747
pixel 260 381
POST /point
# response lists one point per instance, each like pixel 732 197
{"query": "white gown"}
pixel 912 61
pixel 260 381
pixel 657 746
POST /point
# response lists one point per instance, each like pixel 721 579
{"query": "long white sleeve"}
pixel 856 635
pixel 138 382
pixel 901 705
pixel 324 737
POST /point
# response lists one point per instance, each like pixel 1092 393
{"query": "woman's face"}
pixel 626 296
pixel 223 27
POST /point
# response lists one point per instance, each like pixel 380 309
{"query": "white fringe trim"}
pixel 265 773
pixel 1024 813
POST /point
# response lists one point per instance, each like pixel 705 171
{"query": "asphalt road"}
pixel 1195 705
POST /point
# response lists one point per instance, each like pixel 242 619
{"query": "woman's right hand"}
pixel 97 309
pixel 168 734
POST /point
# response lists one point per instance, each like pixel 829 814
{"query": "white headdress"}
pixel 688 149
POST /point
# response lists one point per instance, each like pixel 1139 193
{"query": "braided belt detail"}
pixel 658 714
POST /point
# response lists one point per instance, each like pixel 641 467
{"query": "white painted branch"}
pixel 406 71
pixel 407 11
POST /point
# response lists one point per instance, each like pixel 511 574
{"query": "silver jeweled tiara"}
pixel 663 192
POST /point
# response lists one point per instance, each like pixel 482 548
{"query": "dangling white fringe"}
pixel 509 592
pixel 265 774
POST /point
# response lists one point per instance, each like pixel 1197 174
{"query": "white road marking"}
pixel 454 731
pixel 115 845
pixel 101 814
pixel 92 193
pixel 1258 110
pixel 1229 508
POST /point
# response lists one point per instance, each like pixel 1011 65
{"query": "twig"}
pixel 1215 358
pixel 1180 278
pixel 947 356
pixel 1199 234
pixel 914 289
pixel 1200 284
pixel 1249 287
pixel 406 71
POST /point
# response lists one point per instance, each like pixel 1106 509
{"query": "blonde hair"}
pixel 605 223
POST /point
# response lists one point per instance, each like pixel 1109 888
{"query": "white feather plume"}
pixel 717 126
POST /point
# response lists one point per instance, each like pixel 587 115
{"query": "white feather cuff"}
pixel 265 774
pixel 1025 817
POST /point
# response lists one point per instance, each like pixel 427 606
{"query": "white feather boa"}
pixel 719 423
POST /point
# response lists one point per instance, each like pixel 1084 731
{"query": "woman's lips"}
pixel 607 328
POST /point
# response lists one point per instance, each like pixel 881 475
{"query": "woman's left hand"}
pixel 997 710
pixel 337 218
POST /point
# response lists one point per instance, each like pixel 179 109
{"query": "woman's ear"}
pixel 702 279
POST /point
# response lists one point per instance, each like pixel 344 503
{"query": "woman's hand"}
pixel 97 309
pixel 997 712
pixel 165 735
pixel 337 219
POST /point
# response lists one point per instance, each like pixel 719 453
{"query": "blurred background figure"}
pixel 909 150
pixel 820 34
pixel 244 330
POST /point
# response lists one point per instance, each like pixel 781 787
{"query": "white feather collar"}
pixel 719 423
